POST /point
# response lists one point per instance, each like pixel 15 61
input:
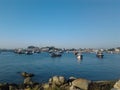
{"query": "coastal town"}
pixel 58 52
pixel 34 49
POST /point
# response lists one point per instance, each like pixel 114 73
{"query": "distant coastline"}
pixel 115 50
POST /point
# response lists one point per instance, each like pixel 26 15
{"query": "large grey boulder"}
pixel 57 80
pixel 61 79
pixel 80 84
pixel 25 74
pixel 46 86
pixel 116 86
pixel 28 80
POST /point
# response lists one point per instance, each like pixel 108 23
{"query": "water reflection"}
pixel 79 60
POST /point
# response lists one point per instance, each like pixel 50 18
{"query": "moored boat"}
pixel 55 54
pixel 99 55
pixel 29 52
pixel 79 56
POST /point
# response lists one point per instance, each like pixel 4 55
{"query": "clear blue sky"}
pixel 60 23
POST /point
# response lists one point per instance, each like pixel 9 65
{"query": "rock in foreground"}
pixel 116 86
pixel 80 83
pixel 25 74
pixel 60 83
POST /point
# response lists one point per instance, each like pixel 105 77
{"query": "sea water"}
pixel 44 66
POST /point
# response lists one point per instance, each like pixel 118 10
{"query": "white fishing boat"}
pixel 79 56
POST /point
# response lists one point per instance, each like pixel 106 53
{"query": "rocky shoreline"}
pixel 60 83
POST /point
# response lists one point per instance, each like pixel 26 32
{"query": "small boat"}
pixel 19 51
pixel 79 56
pixel 55 54
pixel 28 52
pixel 99 55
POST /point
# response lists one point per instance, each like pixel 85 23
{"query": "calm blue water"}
pixel 44 67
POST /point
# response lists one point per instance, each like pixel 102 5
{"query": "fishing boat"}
pixel 79 56
pixel 99 54
pixel 29 52
pixel 55 54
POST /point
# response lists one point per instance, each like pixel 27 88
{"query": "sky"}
pixel 60 23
